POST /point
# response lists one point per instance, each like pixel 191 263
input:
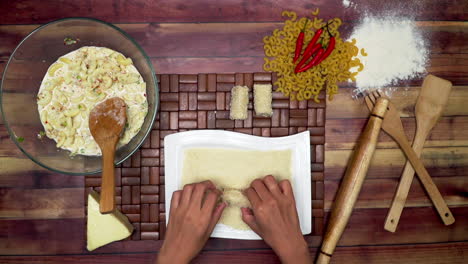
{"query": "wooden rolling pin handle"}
pixel 323 258
pixel 352 182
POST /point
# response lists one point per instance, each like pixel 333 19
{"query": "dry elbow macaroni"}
pixel 340 66
pixel 77 82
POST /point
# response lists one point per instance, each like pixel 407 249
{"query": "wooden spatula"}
pixel 394 128
pixel 431 102
pixel 106 122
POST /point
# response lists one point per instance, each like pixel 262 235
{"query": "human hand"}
pixel 274 218
pixel 193 216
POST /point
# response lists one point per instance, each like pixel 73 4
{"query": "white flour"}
pixel 396 51
pixel 349 4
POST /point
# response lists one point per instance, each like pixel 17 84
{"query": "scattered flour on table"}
pixel 348 4
pixel 396 51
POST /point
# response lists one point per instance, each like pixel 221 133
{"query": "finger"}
pixel 290 202
pixel 247 211
pixel 249 218
pixel 218 211
pixel 252 196
pixel 198 193
pixel 209 184
pixel 175 200
pixel 261 190
pixel 286 188
pixel 211 198
pixel 186 195
pixel 272 185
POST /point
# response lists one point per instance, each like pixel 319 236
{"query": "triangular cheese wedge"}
pixel 105 228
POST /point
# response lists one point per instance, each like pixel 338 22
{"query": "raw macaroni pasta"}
pixel 279 50
pixel 78 81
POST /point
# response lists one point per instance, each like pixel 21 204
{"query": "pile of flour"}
pixel 396 51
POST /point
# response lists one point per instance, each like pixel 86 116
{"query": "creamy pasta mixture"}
pixel 78 81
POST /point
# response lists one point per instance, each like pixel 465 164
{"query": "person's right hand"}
pixel 274 218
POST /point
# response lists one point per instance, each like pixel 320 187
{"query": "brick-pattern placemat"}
pixel 202 102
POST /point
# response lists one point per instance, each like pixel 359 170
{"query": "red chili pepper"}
pixel 306 57
pixel 311 45
pixel 330 48
pixel 299 43
pixel 318 33
pixel 313 62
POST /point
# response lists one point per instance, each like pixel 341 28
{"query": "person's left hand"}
pixel 193 216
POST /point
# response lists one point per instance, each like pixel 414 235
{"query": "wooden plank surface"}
pixel 378 193
pixel 244 39
pixel 363 229
pixel 448 66
pixel 42 213
pixel 28 12
pixel 41 203
pixel 449 131
pixel 454 253
pixel 208 51
pixel 404 99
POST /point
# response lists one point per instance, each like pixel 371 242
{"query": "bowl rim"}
pixel 154 80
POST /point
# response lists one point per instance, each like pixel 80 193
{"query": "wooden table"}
pixel 42 213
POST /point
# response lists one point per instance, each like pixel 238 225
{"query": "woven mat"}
pixel 202 102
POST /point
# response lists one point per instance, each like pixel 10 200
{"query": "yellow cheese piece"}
pixel 105 228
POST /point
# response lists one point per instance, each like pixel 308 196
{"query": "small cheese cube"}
pixel 105 228
pixel 262 99
pixel 239 102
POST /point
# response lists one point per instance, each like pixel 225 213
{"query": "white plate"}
pixel 299 144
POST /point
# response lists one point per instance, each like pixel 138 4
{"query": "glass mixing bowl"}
pixel 23 75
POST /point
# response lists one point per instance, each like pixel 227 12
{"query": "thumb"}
pixel 218 211
pixel 249 218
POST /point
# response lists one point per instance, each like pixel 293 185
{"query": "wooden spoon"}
pixel 106 122
pixel 431 102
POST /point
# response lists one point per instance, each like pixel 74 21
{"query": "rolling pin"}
pixel 352 182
